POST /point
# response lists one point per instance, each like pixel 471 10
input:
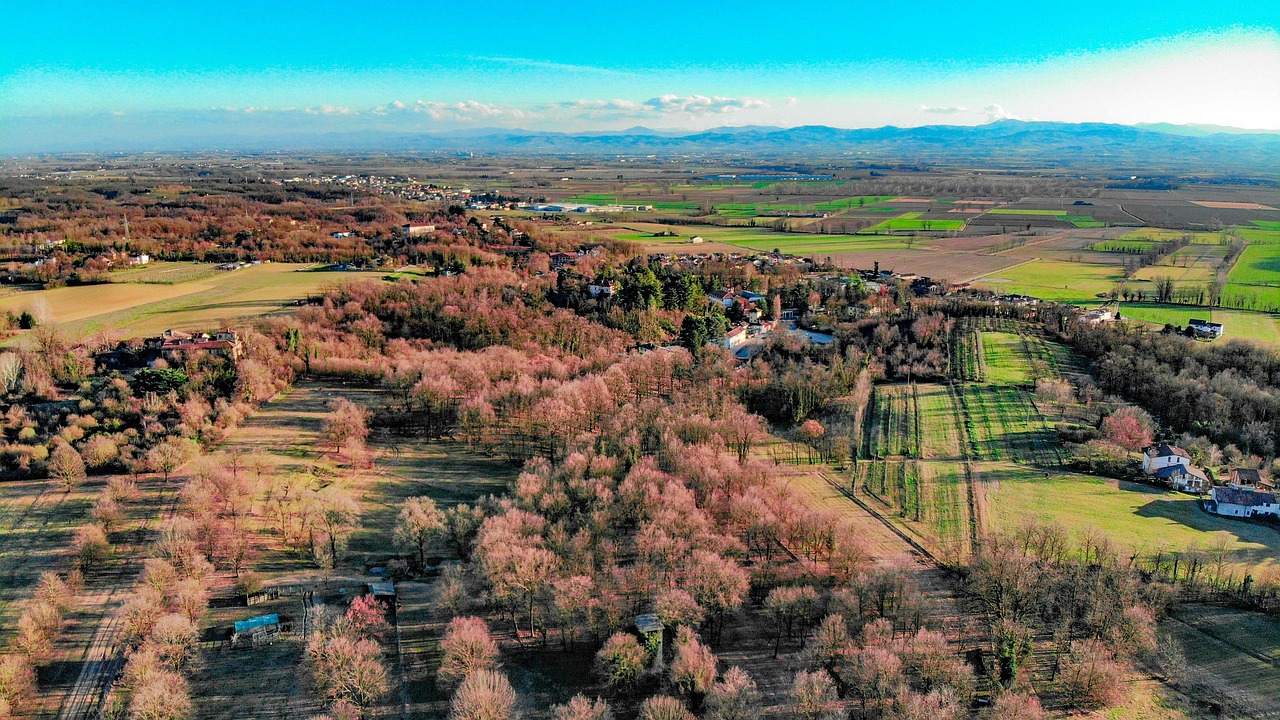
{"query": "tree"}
pixel 158 381
pixel 174 638
pixel 367 617
pixel 621 661
pixel 484 695
pixel 334 513
pixel 420 524
pixel 107 512
pixel 467 647
pixel 662 707
pixel 171 455
pixel 348 668
pixel 17 685
pixel 91 546
pixel 1016 706
pixel 1090 677
pixel 66 465
pixel 813 697
pixel 348 421
pixel 694 668
pixel 1129 427
pixel 735 697
pixel 582 708
pixel 164 695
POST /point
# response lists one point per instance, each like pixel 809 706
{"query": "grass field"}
pixel 1136 517
pixel 139 309
pixel 164 272
pixel 1260 326
pixel 1258 265
pixel 913 221
pixel 1056 280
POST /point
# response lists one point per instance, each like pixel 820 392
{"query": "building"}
pixel 256 630
pixel 561 259
pixel 602 288
pixel 1187 478
pixel 417 230
pixel 1234 502
pixel 1100 316
pixel 173 343
pixel 1205 329
pixel 736 336
pixel 1246 478
pixel 1158 457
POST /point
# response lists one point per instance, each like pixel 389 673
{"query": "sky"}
pixel 90 72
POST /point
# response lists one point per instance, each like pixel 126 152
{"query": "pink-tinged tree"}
pixel 484 695
pixel 735 697
pixel 17 685
pixel 662 707
pixel 467 647
pixel 693 670
pixel 1129 427
pixel 581 707
pixel 66 465
pixel 367 617
pixel 1016 706
pixel 813 697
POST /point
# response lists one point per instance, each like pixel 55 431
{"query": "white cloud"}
pixel 462 111
pixel 702 104
pixel 330 110
pixel 943 109
pixel 997 112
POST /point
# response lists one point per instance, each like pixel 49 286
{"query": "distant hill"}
pixel 1012 143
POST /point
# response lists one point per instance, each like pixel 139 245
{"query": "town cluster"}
pixel 1246 492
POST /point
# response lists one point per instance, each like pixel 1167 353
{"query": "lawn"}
pixel 1136 517
pixel 138 309
pixel 1259 326
pixel 1267 224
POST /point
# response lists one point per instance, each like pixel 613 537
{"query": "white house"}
pixel 1158 457
pixel 1187 478
pixel 1234 502
pixel 736 336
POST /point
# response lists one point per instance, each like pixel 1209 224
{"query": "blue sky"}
pixel 259 67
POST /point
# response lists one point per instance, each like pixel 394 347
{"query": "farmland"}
pixel 134 309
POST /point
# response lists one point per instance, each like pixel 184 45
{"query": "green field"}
pixel 165 273
pixel 1267 224
pixel 1136 517
pixel 1258 265
pixel 913 221
pixel 1260 326
pixel 1056 280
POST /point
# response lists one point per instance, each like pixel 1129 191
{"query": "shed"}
pixel 385 589
pixel 262 628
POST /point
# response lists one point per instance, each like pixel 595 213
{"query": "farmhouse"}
pixel 1234 502
pixel 1187 478
pixel 1099 316
pixel 1158 457
pixel 1205 329
pixel 175 342
pixel 736 336
pixel 417 230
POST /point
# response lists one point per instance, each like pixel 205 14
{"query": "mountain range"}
pixel 1017 143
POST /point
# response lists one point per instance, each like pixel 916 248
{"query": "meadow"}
pixel 1055 280
pixel 1136 517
